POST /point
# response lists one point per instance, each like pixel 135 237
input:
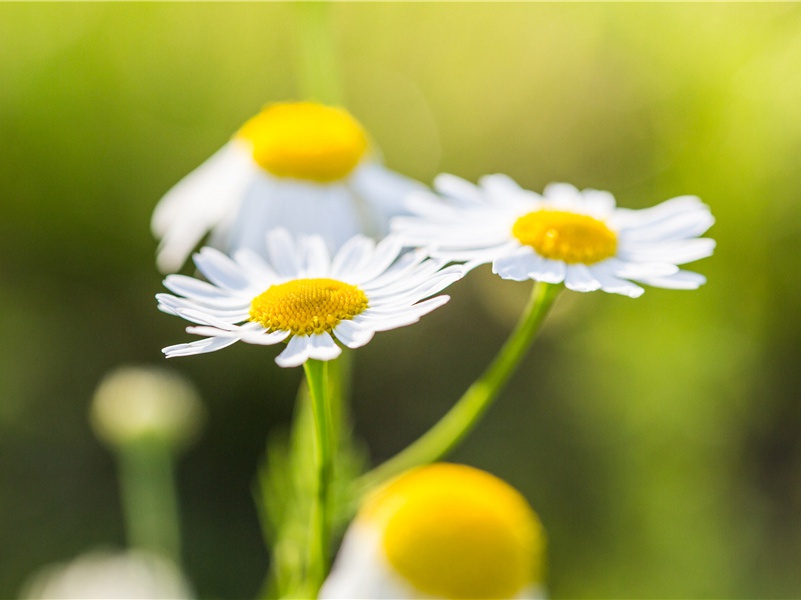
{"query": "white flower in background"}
pixel 303 166
pixel 441 531
pixel 132 403
pixel 565 235
pixel 109 575
pixel 305 297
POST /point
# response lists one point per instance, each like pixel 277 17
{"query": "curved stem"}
pixel 463 416
pixel 317 567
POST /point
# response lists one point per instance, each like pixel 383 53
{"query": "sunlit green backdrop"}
pixel 658 438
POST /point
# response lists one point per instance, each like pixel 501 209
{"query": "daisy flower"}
pixel 303 166
pixel 566 235
pixel 303 296
pixel 441 531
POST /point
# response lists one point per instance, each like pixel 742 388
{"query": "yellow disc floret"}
pixel 307 306
pixel 566 236
pixel 456 532
pixel 305 140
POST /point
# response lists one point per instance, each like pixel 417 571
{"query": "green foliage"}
pixel 657 438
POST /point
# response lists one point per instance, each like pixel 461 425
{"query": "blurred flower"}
pixel 109 575
pixel 132 403
pixel 303 166
pixel 304 296
pixel 441 531
pixel 565 235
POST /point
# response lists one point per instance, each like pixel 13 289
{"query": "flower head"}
pixel 441 531
pixel 564 235
pixel 303 296
pixel 105 575
pixel 303 166
pixel 132 403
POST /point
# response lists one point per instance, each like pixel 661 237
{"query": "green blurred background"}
pixel 658 438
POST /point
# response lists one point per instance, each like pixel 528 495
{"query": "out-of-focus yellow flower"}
pixel 441 531
pixel 303 166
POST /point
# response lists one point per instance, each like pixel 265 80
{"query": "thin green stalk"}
pixel 318 78
pixel 149 498
pixel 463 416
pixel 317 567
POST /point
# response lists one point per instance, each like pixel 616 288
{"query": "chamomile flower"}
pixel 566 235
pixel 105 575
pixel 303 166
pixel 303 296
pixel 441 531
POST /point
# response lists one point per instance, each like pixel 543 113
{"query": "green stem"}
pixel 463 416
pixel 149 499
pixel 317 76
pixel 317 567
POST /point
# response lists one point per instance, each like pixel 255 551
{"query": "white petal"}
pixel 296 353
pixel 383 194
pixel 386 251
pixel 323 347
pixel 352 334
pixel 262 338
pixel 392 319
pixel 562 195
pixel 458 189
pixel 200 201
pixel 517 266
pixel 548 271
pixel 579 279
pixel 221 270
pixel 282 253
pixel 317 261
pixel 203 292
pixel 678 252
pixel 683 280
pixel 352 256
pixel 200 346
pixel 612 284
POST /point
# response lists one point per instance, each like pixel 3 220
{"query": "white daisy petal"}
pixel 517 266
pixel 203 346
pixel 297 352
pixel 317 260
pixel 220 270
pixel 201 290
pixel 299 293
pixel 354 254
pixel 613 284
pixel 352 335
pixel 549 271
pixel 282 254
pixel 683 280
pixel 678 253
pixel 457 188
pixel 198 203
pixel 389 189
pixel 567 235
pixel 579 279
pixel 264 338
pixel 323 347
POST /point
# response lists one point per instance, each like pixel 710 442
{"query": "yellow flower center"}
pixel 306 306
pixel 456 532
pixel 305 140
pixel 566 236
